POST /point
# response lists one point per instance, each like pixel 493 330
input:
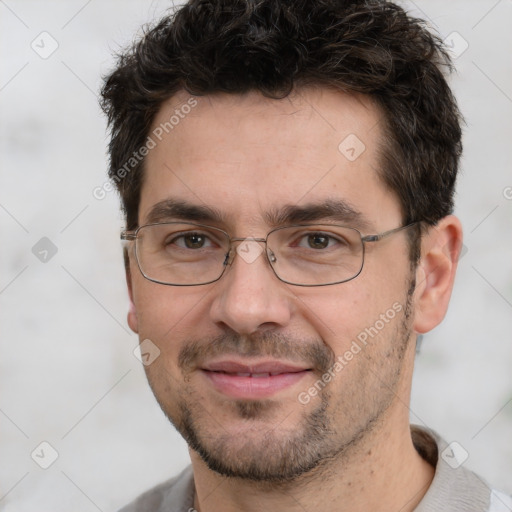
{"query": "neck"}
pixel 384 472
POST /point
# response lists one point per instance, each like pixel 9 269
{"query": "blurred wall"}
pixel 68 374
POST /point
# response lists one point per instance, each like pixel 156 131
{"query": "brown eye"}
pixel 318 241
pixel 190 241
pixel 194 241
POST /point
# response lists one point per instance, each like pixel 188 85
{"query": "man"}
pixel 287 171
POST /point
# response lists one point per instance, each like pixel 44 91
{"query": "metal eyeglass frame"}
pixel 131 236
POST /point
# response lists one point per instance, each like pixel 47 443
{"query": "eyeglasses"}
pixel 186 254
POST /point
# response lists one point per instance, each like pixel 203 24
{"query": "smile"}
pixel 252 381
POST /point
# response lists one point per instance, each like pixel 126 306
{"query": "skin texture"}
pixel 349 447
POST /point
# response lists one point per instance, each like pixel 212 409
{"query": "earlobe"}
pixel 132 317
pixel 435 275
pixel 133 321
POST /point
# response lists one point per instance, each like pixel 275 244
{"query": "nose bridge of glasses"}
pixel 248 248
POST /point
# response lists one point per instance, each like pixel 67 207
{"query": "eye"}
pixel 319 241
pixel 191 241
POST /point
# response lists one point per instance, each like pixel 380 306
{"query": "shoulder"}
pixel 176 494
pixel 454 488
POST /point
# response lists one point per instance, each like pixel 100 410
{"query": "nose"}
pixel 249 297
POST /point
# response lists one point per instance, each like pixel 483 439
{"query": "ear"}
pixel 435 274
pixel 133 321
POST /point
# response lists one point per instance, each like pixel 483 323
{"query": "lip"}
pixel 252 380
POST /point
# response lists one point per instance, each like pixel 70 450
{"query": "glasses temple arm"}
pixel 380 236
pixel 128 235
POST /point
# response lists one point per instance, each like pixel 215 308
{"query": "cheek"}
pixel 161 316
pixel 169 316
pixel 347 312
pixel 338 311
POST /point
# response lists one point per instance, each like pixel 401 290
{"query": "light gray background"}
pixel 68 375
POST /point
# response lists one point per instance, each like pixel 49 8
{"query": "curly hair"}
pixel 273 46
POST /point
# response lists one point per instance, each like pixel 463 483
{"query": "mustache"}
pixel 312 352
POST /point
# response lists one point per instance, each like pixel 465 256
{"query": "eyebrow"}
pixel 171 209
pixel 336 210
pixel 329 210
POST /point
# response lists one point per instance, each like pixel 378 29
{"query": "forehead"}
pixel 247 155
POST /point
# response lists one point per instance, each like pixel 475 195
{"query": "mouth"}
pixel 256 380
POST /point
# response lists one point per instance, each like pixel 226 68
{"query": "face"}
pixel 266 380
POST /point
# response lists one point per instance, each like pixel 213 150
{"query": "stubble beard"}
pixel 268 454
